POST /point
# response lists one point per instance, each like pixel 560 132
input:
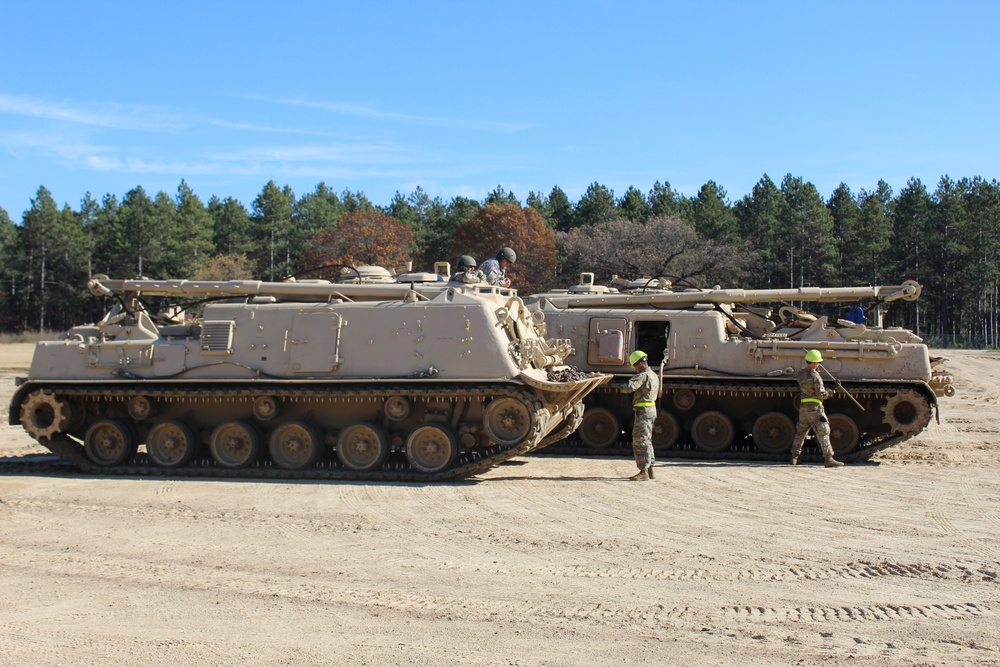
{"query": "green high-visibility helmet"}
pixel 813 357
pixel 636 357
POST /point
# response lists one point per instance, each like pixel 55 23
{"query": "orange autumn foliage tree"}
pixel 524 230
pixel 363 238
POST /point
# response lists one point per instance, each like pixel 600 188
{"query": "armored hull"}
pixel 728 365
pixel 302 380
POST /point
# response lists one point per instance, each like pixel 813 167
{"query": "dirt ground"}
pixel 542 561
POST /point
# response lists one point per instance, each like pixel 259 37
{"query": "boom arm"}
pixel 908 291
pixel 103 286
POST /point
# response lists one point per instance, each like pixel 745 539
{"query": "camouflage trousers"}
pixel 812 416
pixel 642 436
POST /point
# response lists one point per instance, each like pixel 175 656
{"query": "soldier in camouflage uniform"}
pixel 494 269
pixel 646 386
pixel 467 271
pixel 811 412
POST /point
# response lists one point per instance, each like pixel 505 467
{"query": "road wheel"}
pixel 600 428
pixel 171 444
pixel 431 449
pixel 773 433
pixel 109 442
pixel 294 446
pixel 362 447
pixel 712 431
pixel 235 444
pixel 507 421
pixel 666 430
pixel 844 434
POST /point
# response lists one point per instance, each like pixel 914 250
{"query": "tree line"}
pixel 778 235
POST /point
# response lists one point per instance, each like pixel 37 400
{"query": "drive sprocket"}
pixel 907 412
pixel 43 414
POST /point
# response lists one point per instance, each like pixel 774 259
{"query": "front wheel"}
pixel 507 421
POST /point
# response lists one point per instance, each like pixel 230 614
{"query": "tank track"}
pixel 471 462
pixel 743 449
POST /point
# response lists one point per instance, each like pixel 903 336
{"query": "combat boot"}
pixel 649 472
pixel 832 463
pixel 640 476
pixel 794 461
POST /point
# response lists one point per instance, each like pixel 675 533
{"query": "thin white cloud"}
pixel 108 115
pixel 346 161
pixel 149 118
pixel 117 116
pixel 254 127
pixel 343 153
pixel 369 112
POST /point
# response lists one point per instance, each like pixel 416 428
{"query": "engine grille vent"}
pixel 217 337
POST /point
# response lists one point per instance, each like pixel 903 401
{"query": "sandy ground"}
pixel 542 561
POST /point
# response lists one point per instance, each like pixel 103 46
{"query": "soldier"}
pixel 494 270
pixel 646 386
pixel 811 412
pixel 467 271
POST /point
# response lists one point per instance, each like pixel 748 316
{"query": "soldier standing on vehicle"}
pixel 646 386
pixel 467 271
pixel 494 270
pixel 811 412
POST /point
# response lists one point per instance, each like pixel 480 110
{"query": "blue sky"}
pixel 459 97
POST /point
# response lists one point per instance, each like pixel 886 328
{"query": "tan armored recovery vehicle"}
pixel 302 380
pixel 728 359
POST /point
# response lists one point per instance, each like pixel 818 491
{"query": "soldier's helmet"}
pixel 465 262
pixel 508 254
pixel 813 357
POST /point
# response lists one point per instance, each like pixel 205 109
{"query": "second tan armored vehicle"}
pixel 728 359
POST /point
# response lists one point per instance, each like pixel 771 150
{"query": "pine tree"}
pixel 272 222
pixel 633 205
pixel 806 234
pixel 757 216
pixel 597 205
